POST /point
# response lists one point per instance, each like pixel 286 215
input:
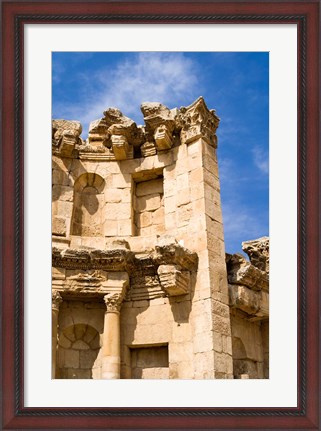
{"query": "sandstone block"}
pixel 221 325
pixel 182 182
pixel 203 343
pixel 71 358
pixel 196 176
pixel 149 187
pixel 144 219
pixel 110 228
pixel 158 216
pixel 179 350
pixel 183 197
pixel 227 344
pixel 118 211
pixel 149 203
pixel 169 204
pixel 170 188
pixel 59 226
pixel 120 180
pixel 87 358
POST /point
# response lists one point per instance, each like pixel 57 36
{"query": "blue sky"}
pixel 236 85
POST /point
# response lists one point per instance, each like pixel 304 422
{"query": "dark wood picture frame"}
pixel 15 14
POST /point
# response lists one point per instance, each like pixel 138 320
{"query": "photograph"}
pixel 160 215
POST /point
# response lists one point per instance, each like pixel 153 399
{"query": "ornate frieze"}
pixel 98 271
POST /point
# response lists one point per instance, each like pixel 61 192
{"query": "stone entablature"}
pixel 117 137
pixel 87 272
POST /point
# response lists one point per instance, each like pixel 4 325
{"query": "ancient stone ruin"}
pixel 141 285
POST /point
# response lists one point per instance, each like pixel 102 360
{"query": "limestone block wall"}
pixel 159 322
pixel 247 347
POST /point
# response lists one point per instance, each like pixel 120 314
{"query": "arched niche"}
pixel 88 203
pixel 78 350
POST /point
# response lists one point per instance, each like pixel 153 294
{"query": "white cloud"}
pixel 164 77
pixel 240 224
pixel 261 159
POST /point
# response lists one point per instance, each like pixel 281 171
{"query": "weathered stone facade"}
pixel 142 287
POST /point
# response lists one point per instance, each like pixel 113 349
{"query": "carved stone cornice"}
pixel 242 272
pixel 175 254
pixel 117 137
pixel 56 300
pixel 122 259
pixel 258 251
pixel 109 260
pixel 254 304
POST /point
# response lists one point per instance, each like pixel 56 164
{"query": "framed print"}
pixel 125 302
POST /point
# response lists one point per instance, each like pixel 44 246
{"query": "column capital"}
pixel 56 300
pixel 113 301
pixel 117 285
pixel 198 122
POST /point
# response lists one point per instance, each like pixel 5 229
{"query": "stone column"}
pixel 56 301
pixel 111 335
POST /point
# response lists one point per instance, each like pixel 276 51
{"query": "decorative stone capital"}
pixel 117 285
pixel 198 122
pixel 113 301
pixel 56 300
pixel 173 280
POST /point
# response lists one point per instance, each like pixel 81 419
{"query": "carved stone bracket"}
pixel 163 137
pixel 160 123
pixel 173 280
pixel 120 147
pixel 148 149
